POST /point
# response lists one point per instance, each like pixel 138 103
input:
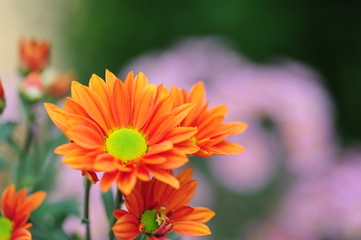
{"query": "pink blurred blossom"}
pixel 186 63
pixel 327 205
pixel 291 96
pixel 273 230
pixel 288 93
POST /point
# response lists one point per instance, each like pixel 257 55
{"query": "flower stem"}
pixel 30 117
pixel 86 220
pixel 144 237
pixel 117 205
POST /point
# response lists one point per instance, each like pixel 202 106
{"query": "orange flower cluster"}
pixel 156 209
pixel 15 211
pixel 39 81
pixel 133 130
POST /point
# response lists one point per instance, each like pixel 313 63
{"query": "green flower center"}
pixel 149 221
pixel 6 227
pixel 126 144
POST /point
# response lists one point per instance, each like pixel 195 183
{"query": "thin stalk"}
pixel 27 144
pixel 117 205
pixel 86 220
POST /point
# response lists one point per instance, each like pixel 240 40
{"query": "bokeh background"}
pixel 291 69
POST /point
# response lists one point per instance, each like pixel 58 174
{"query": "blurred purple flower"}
pixel 186 63
pixel 273 230
pixel 291 97
pixel 328 205
pixel 288 94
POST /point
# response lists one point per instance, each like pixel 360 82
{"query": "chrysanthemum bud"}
pixel 32 89
pixel 34 55
pixel 2 98
pixel 57 85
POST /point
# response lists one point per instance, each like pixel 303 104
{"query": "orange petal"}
pixel 179 134
pixel 164 176
pixel 182 196
pixel 182 111
pixel 21 234
pixel 135 203
pixel 85 137
pixel 120 104
pixel 74 107
pixel 180 212
pixel 175 159
pixel 126 227
pixel 199 214
pixel 105 162
pixel 185 175
pixel 142 173
pixel 34 200
pixel 191 228
pixel 144 106
pixel 160 147
pixel 126 181
pixel 226 147
pixel 107 180
pixel 92 103
pixel 119 212
pixel 91 176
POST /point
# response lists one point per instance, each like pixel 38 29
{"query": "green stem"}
pixel 86 220
pixel 27 144
pixel 144 237
pixel 117 205
pixel 14 146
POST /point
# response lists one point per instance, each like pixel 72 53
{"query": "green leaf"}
pixel 108 202
pixel 6 129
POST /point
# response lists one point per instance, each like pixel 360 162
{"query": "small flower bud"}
pixel 34 55
pixel 2 98
pixel 32 89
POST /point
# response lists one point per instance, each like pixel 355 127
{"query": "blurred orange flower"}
pixel 157 209
pixel 60 85
pixel 32 88
pixel 2 98
pixel 211 134
pixel 128 130
pixel 15 211
pixel 34 55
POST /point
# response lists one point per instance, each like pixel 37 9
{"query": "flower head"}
pixel 58 85
pixel 34 55
pixel 32 89
pixel 211 134
pixel 156 209
pixel 15 211
pixel 2 98
pixel 128 130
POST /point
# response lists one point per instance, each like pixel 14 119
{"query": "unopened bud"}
pixel 2 98
pixel 34 55
pixel 32 88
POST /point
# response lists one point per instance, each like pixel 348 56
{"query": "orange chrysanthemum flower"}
pixel 211 134
pixel 15 211
pixel 127 130
pixel 34 55
pixel 157 209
